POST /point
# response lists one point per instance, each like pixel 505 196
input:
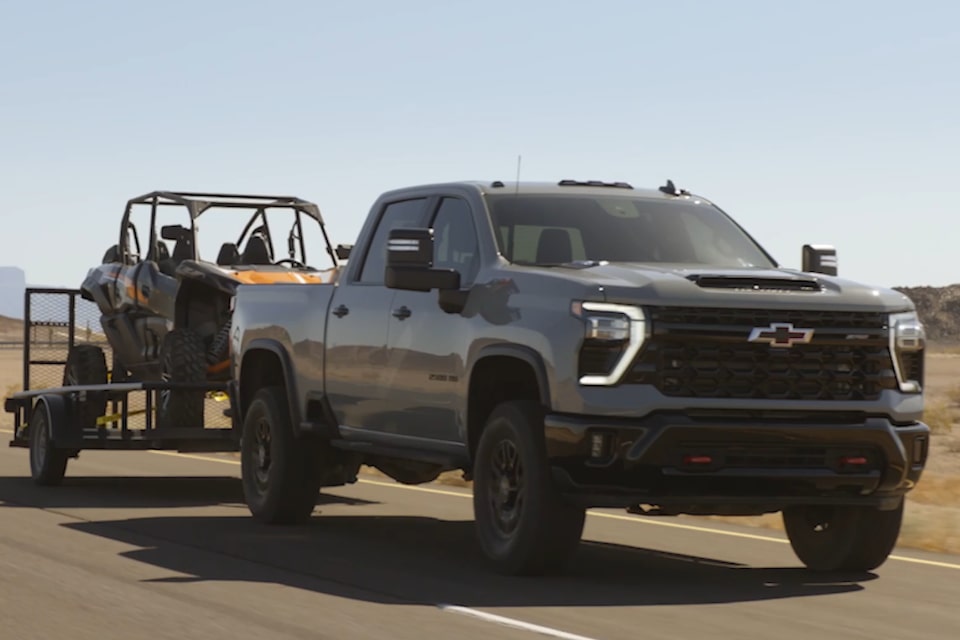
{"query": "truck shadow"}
pixel 403 560
pixel 134 492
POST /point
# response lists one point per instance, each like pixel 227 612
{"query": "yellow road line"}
pixel 610 516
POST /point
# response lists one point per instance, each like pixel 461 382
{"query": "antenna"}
pixel 516 189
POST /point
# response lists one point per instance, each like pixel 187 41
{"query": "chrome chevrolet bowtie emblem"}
pixel 781 334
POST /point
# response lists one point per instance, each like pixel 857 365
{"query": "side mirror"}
pixel 410 263
pixel 820 258
pixel 172 231
pixel 343 251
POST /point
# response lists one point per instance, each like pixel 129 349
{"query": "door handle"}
pixel 341 311
pixel 402 313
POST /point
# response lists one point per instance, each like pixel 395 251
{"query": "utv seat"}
pixel 182 250
pixel 256 252
pixel 229 255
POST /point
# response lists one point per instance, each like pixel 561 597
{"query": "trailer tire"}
pixel 86 364
pixel 48 464
pixel 183 359
pixel 281 475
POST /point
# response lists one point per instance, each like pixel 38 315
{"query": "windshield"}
pixel 556 229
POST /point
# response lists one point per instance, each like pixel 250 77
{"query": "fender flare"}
pixel 289 379
pixel 526 354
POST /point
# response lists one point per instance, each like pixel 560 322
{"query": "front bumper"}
pixel 734 465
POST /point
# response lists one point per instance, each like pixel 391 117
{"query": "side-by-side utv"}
pixel 166 310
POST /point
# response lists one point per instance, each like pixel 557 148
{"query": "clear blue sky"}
pixel 831 122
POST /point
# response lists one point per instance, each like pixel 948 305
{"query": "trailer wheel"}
pixel 48 464
pixel 281 475
pixel 183 359
pixel 523 525
pixel 86 364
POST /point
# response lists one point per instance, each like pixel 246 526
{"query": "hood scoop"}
pixel 755 283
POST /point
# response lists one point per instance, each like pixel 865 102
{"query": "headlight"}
pixel 907 341
pixel 612 337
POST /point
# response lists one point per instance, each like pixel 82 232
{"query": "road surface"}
pixel 161 546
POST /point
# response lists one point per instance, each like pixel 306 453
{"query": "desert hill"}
pixel 939 309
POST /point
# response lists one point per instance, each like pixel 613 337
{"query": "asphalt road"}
pixel 157 545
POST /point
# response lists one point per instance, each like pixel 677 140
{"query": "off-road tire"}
pixel 183 358
pixel 842 538
pixel 86 364
pixel 281 475
pixel 48 465
pixel 541 532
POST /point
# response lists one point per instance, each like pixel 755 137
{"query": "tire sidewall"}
pixel 513 422
pixel 260 503
pixel 50 469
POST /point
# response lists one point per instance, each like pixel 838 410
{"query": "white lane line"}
pixel 597 514
pixel 510 622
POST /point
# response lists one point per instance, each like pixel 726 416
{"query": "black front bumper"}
pixel 734 465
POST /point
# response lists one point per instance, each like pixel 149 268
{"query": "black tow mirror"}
pixel 410 263
pixel 820 258
pixel 343 251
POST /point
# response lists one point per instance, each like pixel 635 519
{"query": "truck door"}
pixel 357 362
pixel 426 345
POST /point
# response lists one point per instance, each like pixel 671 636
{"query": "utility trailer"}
pixel 58 421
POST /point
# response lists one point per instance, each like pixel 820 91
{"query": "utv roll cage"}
pixel 196 203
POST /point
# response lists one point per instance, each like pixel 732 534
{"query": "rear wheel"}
pixel 86 364
pixel 281 475
pixel 48 464
pixel 523 525
pixel 183 359
pixel 842 538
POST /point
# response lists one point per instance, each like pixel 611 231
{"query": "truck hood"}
pixel 699 285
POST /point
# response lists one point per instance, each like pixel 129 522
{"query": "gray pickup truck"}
pixel 586 344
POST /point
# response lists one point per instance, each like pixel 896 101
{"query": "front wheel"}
pixel 523 525
pixel 842 538
pixel 281 475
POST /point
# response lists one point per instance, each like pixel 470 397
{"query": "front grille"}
pixel 705 353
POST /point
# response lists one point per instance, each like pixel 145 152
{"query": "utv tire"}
pixel 842 538
pixel 48 465
pixel 281 474
pixel 183 359
pixel 86 364
pixel 523 525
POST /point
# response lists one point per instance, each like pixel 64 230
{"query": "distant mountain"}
pixel 939 309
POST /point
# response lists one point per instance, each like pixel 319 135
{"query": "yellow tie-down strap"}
pixel 216 396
